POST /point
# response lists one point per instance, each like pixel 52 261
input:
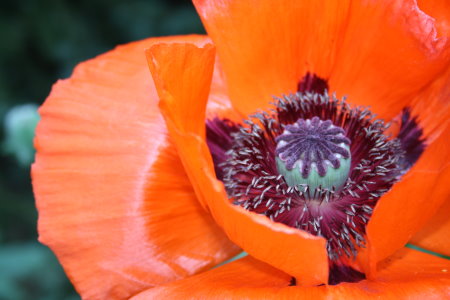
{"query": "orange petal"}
pixel 114 202
pixel 218 100
pixel 408 275
pixel 377 52
pixel 288 249
pixel 433 108
pixel 434 236
pixel 266 49
pixel 244 278
pixel 391 50
pixel 411 202
pixel 409 265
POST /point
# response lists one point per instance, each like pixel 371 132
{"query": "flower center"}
pixel 313 153
pixel 298 167
pixel 316 164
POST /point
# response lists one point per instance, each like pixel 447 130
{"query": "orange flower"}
pixel 129 201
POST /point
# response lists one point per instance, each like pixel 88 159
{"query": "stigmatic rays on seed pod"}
pixel 314 163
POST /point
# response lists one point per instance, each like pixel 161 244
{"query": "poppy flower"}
pixel 241 140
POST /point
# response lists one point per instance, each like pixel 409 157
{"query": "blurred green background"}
pixel 42 41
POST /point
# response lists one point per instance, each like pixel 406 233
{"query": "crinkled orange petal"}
pixel 440 11
pixel 411 202
pixel 390 51
pixel 297 253
pixel 379 53
pixel 114 201
pixel 407 275
pixel 266 48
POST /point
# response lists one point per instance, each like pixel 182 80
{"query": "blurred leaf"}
pixel 181 20
pixel 20 123
pixel 30 271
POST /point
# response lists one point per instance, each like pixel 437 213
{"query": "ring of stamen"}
pixel 253 181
